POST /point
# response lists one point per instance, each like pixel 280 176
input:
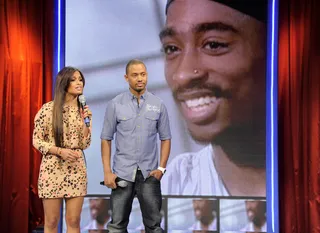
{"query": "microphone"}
pixel 82 101
pixel 120 183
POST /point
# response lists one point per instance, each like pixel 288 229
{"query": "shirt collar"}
pixel 143 96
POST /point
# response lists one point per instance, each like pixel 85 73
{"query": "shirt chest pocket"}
pixel 152 119
pixel 125 120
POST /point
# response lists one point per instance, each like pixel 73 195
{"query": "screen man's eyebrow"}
pixel 214 26
pixel 200 28
pixel 167 32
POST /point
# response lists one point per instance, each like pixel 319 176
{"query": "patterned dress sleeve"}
pixel 40 137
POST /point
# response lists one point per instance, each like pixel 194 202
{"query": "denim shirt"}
pixel 136 127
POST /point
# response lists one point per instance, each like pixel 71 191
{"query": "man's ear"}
pixel 126 77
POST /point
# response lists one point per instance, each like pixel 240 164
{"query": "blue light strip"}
pixel 59 37
pixel 272 119
pixel 58 53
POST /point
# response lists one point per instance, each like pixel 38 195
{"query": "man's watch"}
pixel 162 169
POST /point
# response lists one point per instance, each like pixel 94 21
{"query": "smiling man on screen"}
pixel 215 63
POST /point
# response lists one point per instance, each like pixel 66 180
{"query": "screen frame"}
pixel 271 101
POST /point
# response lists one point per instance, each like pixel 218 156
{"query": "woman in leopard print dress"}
pixel 61 136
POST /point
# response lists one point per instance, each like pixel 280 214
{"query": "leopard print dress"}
pixel 59 178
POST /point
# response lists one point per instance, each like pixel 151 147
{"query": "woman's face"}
pixel 76 84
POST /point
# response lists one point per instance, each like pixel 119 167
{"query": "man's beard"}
pixel 101 219
pixel 244 145
pixel 259 221
pixel 206 220
pixel 138 90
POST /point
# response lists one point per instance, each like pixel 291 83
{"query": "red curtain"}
pixel 26 29
pixel 299 116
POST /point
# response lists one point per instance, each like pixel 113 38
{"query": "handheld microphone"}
pixel 82 100
pixel 120 183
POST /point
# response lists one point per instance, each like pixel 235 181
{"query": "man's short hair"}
pixel 133 62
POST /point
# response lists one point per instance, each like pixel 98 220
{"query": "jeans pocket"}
pixel 154 179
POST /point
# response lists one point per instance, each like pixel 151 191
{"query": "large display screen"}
pixel 207 61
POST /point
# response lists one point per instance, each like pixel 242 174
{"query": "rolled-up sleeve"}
pixel 164 124
pixel 110 122
pixel 40 132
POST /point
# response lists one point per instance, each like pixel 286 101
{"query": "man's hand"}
pixel 110 180
pixel 156 174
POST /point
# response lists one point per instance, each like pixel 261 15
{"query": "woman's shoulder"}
pixel 45 110
pixel 47 106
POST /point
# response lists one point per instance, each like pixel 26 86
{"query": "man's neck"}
pixel 136 93
pixel 239 180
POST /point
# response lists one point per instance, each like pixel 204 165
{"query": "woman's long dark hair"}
pixel 63 80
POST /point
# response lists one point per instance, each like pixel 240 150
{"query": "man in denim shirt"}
pixel 136 117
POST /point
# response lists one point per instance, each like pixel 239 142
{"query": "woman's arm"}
pixel 39 133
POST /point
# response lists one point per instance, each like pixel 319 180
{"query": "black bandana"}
pixel 257 9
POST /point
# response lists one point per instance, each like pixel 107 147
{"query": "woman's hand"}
pixel 86 112
pixel 69 155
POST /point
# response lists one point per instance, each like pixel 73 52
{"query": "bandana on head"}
pixel 257 9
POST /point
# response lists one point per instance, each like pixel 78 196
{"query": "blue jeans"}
pixel 149 195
